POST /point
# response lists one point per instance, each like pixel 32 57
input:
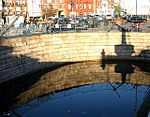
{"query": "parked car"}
pixel 108 17
pixel 136 19
pixel 98 18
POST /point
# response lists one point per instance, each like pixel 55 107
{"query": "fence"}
pixel 102 26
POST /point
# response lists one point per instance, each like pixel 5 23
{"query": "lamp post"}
pixel 136 7
pixel 86 7
pixel 136 10
pixel 72 2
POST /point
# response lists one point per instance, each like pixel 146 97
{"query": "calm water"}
pixel 89 89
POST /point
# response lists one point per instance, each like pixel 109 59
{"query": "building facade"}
pixel 34 8
pixel 79 7
pixel 58 8
pixel 105 7
pixel 135 7
pixel 14 8
pixel 65 8
pixel 27 9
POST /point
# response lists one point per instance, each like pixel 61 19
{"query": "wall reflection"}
pixel 115 75
pixel 81 74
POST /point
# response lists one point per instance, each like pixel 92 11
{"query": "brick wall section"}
pixel 22 55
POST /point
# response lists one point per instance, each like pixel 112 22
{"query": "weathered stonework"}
pixel 79 74
pixel 22 55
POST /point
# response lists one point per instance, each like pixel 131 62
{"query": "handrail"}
pixel 4 31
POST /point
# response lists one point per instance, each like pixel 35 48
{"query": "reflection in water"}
pixel 124 69
pixel 91 101
pixel 85 90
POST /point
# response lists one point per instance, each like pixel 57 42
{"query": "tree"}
pixel 117 10
pixel 47 11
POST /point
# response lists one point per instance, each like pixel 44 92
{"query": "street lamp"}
pixel 86 7
pixel 136 7
pixel 136 10
pixel 72 3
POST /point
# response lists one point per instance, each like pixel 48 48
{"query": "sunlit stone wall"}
pixel 22 55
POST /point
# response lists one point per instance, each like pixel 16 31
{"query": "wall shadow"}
pixel 124 49
pixel 12 88
pixel 124 66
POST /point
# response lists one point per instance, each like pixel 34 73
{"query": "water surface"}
pixel 88 89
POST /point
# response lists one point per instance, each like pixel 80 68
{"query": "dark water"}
pixel 80 90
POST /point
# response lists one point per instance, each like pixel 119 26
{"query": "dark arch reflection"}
pixel 100 89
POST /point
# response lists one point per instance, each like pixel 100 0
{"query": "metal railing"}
pixel 102 26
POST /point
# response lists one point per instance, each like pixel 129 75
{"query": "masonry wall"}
pixel 80 74
pixel 22 55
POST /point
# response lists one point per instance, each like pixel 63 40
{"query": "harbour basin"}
pixel 84 89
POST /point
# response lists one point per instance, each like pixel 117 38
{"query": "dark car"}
pixel 137 19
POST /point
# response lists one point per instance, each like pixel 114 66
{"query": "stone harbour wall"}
pixel 23 55
pixel 80 74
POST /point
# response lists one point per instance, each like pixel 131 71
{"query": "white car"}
pixel 98 17
pixel 108 17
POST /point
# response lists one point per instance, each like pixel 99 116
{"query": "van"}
pixel 108 17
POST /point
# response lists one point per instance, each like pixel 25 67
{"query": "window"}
pixel 49 1
pixel 17 2
pixel 5 11
pixel 76 6
pixel 6 3
pixel 104 5
pixel 69 6
pixel 90 6
pixel 77 13
pixel 61 1
pixel 22 2
pixel 81 6
pixel 84 6
pixel 11 2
